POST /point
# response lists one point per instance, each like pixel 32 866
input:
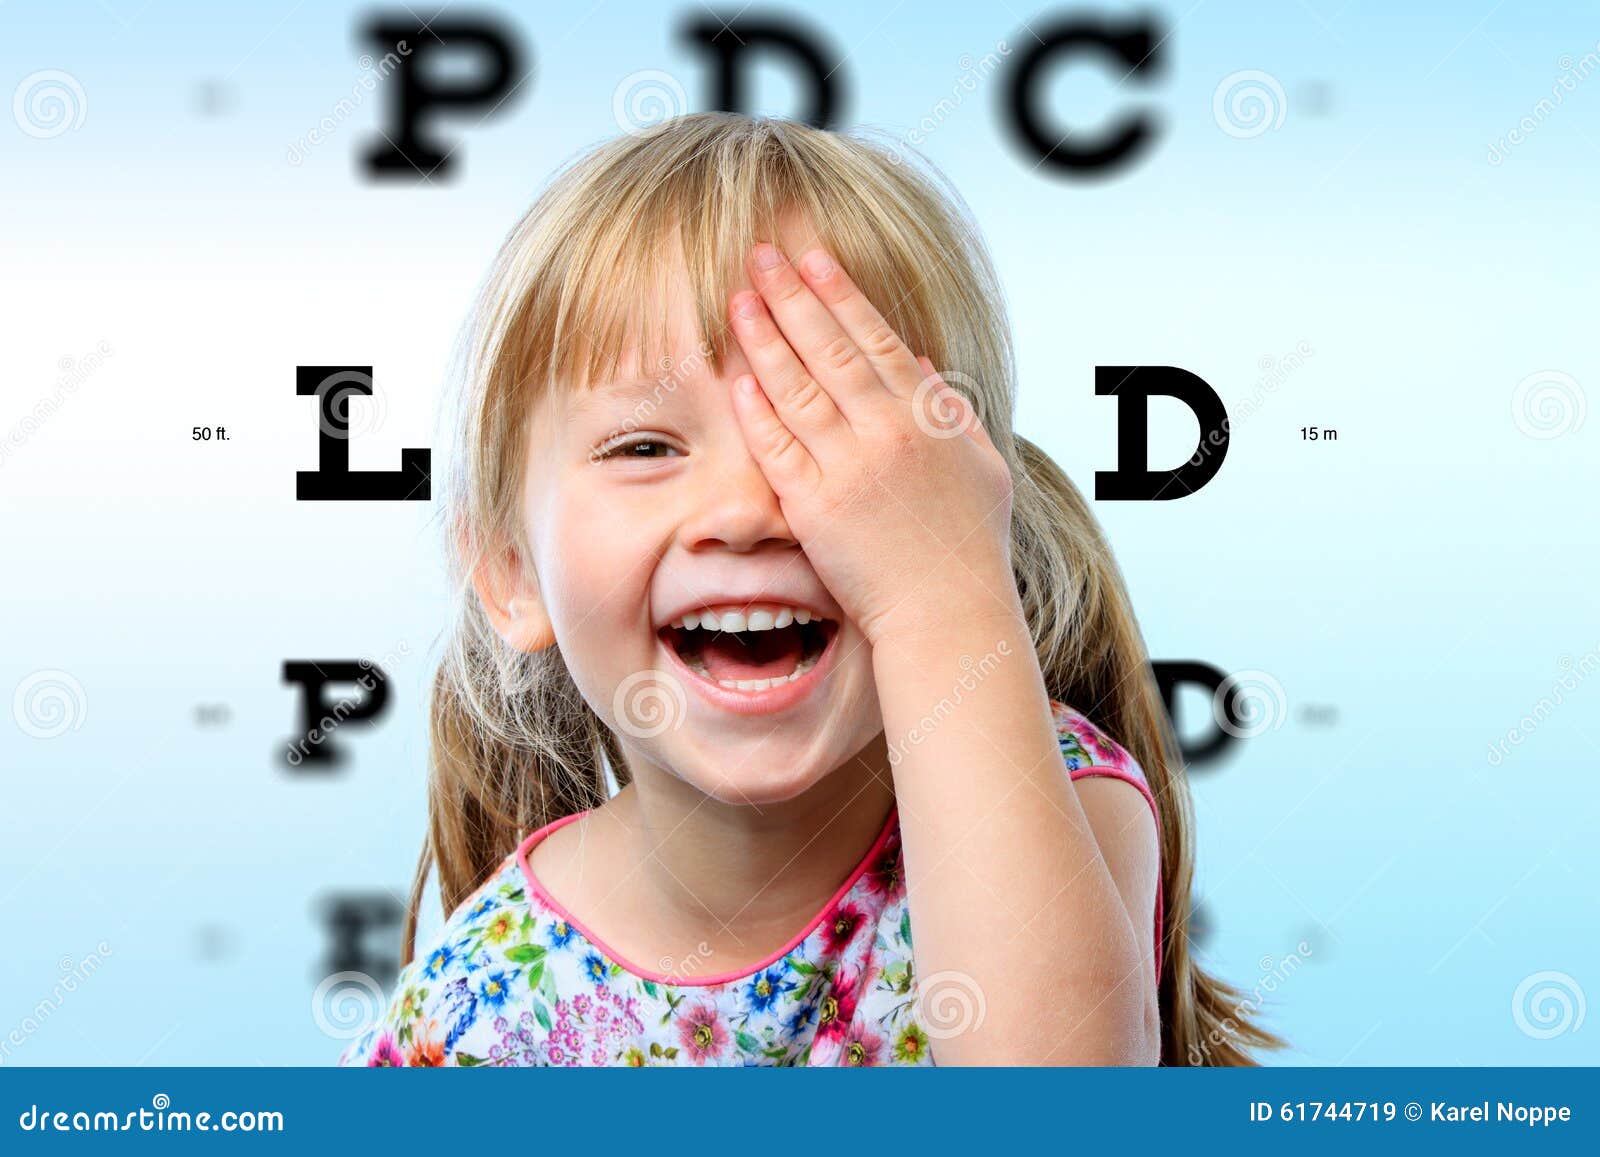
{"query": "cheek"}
pixel 598 554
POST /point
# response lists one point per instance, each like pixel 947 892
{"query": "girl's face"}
pixel 691 620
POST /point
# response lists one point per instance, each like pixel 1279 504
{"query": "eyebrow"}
pixel 629 385
pixel 595 397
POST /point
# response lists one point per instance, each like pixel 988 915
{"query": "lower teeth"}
pixel 699 668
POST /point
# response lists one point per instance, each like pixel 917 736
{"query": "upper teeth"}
pixel 753 619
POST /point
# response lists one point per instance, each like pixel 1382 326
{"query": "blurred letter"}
pixel 313 748
pixel 402 151
pixel 1135 46
pixel 1169 676
pixel 733 43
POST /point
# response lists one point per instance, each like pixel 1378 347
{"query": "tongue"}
pixel 754 654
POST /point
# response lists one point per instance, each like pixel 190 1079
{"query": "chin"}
pixel 756 791
pixel 737 762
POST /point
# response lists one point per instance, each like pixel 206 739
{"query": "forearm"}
pixel 1005 881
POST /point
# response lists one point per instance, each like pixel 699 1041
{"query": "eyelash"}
pixel 620 449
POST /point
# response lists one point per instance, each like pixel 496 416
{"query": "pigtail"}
pixel 513 747
pixel 1093 658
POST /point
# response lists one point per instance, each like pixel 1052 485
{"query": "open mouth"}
pixel 749 648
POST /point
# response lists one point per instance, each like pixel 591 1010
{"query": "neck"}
pixel 734 881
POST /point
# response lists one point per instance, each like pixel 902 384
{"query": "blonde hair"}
pixel 514 745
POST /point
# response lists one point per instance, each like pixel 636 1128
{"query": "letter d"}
pixel 1133 386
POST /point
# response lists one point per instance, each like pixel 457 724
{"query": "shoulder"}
pixel 1127 826
pixel 1088 751
pixel 464 969
pixel 1084 745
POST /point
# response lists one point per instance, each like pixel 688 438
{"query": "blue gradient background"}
pixel 1415 587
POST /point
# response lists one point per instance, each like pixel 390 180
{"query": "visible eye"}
pixel 642 447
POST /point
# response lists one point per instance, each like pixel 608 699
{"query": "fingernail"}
pixel 748 305
pixel 818 264
pixel 767 257
pixel 746 385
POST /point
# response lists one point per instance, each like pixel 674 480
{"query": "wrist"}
pixel 956 606
pixel 972 672
pixel 950 633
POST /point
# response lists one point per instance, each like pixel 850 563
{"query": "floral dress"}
pixel 514 979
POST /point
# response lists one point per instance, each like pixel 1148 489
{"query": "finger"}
pixel 859 318
pixel 799 399
pixel 782 457
pixel 811 329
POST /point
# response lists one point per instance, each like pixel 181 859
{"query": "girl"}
pixel 752 742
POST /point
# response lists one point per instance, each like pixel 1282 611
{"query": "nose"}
pixel 735 508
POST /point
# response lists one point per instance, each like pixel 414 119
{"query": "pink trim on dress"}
pixel 1144 790
pixel 537 889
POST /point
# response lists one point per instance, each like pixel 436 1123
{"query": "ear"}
pixel 509 593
